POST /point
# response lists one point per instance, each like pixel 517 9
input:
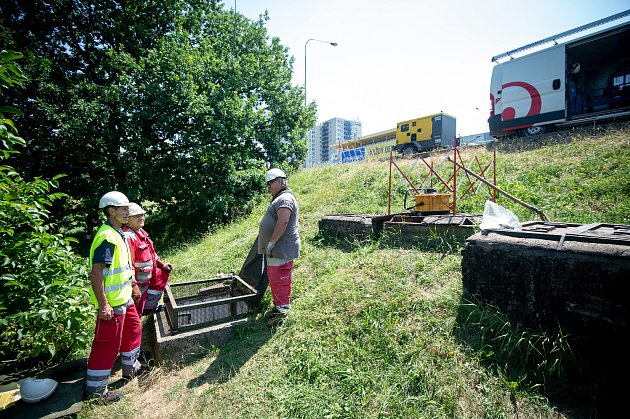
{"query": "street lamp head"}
pixel 334 44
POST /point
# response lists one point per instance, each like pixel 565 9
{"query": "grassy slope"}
pixel 372 330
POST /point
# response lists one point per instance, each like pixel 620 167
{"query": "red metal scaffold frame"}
pixel 446 184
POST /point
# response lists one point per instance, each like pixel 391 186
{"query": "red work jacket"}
pixel 143 256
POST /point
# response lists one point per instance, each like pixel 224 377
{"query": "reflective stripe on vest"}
pixel 116 287
pixel 142 276
pixel 117 277
pixel 110 272
pixel 143 264
pixel 130 234
pixel 142 252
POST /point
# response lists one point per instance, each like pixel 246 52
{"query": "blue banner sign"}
pixel 356 154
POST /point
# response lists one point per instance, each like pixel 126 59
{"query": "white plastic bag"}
pixel 497 217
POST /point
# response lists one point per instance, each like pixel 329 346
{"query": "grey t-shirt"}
pixel 288 245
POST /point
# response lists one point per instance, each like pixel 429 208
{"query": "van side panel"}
pixel 528 91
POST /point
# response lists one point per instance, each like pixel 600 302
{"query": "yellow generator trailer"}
pixel 425 133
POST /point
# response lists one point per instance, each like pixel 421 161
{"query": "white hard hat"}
pixel 135 209
pixel 113 198
pixel 33 390
pixel 274 174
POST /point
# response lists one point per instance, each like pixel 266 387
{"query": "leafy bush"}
pixel 44 304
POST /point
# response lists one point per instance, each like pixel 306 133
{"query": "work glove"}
pixel 269 249
pixel 166 266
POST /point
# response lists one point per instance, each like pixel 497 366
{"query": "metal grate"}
pixel 564 232
pixel 195 304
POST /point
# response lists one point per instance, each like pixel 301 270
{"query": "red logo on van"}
pixel 509 113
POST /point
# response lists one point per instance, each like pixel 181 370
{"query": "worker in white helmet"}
pixel 112 291
pixel 151 272
pixel 279 241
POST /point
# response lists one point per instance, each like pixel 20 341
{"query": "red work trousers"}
pixel 280 283
pixel 120 335
pixel 156 289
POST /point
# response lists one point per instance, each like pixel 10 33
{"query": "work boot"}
pixel 112 396
pixel 138 374
pixel 272 313
pixel 109 397
pixel 277 319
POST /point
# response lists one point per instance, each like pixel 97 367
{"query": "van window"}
pixel 404 128
pixel 413 124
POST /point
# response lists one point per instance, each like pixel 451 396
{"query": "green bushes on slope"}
pixel 44 304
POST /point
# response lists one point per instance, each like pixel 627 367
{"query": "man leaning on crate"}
pixel 112 291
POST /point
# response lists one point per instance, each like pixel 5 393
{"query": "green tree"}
pixel 44 304
pixel 175 102
pixel 213 115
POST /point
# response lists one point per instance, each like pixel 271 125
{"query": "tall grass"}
pixel 380 330
pixel 527 361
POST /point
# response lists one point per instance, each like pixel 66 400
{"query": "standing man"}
pixel 151 273
pixel 112 287
pixel 279 240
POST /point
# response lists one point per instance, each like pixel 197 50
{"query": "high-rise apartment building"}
pixel 324 140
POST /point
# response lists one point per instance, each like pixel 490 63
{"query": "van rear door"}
pixel 496 104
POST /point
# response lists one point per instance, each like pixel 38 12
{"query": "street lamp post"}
pixel 334 44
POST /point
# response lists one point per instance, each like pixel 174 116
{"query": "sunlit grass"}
pixel 379 330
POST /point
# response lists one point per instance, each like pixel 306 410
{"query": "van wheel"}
pixel 409 150
pixel 533 131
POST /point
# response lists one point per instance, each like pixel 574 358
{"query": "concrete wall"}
pixel 583 287
pixel 346 226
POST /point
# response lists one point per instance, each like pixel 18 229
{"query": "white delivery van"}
pixel 577 82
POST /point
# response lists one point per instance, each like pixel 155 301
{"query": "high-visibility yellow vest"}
pixel 117 276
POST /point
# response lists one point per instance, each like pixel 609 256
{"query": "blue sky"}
pixel 401 59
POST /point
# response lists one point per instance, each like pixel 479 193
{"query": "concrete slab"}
pixel 347 226
pixel 403 228
pixel 168 346
pixel 416 229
